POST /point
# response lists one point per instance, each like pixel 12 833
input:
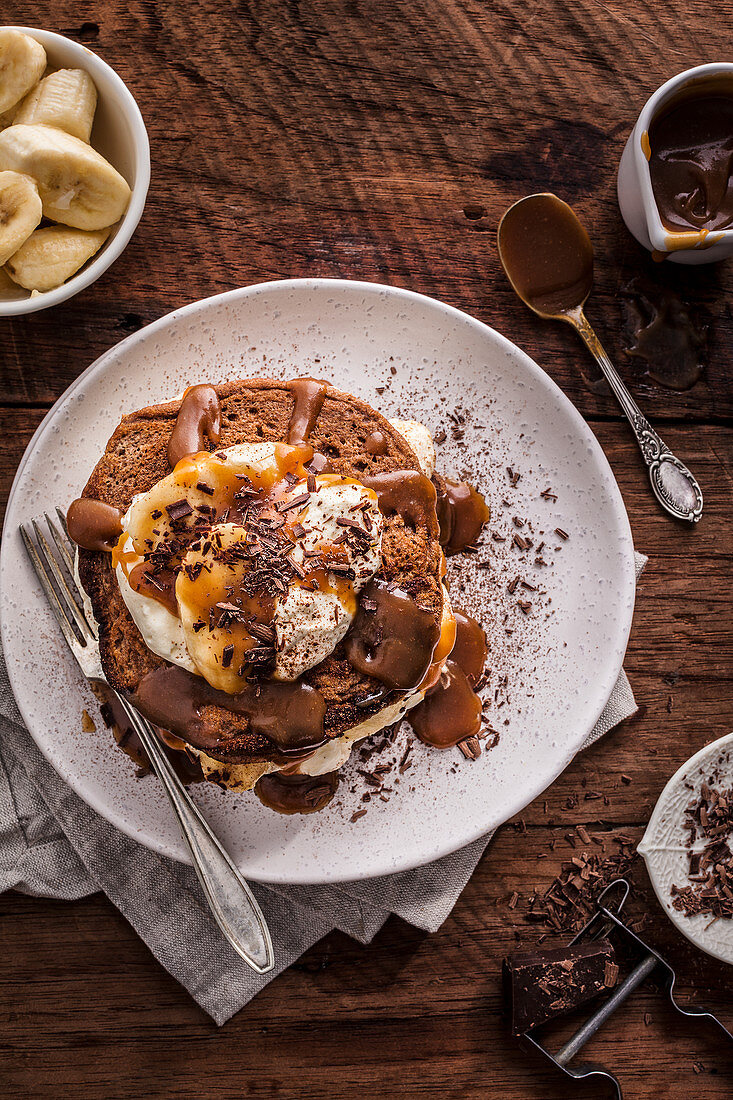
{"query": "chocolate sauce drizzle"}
pixel 296 794
pixel 186 766
pixel 199 419
pixel 408 493
pixel 470 647
pixel 308 397
pixel 392 638
pixel 93 524
pixel 462 514
pixel 451 709
pixel 450 712
pixel 376 443
pixel 289 715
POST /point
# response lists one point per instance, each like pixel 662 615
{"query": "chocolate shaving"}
pixel 179 509
pixel 709 891
pixel 295 502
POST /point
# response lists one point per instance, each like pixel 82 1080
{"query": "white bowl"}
pixel 634 185
pixel 119 135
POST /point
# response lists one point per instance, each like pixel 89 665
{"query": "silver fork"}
pixel 232 903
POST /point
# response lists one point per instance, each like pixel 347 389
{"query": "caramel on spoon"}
pixel 548 258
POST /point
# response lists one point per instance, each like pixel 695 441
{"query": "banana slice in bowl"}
pixel 52 255
pixel 71 128
pixel 22 61
pixel 20 212
pixel 78 187
pixel 66 99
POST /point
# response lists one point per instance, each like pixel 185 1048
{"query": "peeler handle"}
pixel 591 1025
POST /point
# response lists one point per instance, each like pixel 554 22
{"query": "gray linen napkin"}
pixel 52 844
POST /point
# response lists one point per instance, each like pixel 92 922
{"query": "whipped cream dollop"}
pixel 308 621
pixel 418 437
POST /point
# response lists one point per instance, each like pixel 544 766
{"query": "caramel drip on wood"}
pixel 289 715
pixel 308 397
pixel 199 419
pixel 94 525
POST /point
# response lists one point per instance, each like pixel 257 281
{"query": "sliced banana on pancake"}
pixel 214 610
pixel 153 514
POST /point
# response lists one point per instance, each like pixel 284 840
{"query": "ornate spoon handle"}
pixel 673 485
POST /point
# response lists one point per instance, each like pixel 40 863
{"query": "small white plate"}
pixel 409 356
pixel 664 844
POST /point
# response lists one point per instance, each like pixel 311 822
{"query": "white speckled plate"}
pixel 664 846
pixel 553 663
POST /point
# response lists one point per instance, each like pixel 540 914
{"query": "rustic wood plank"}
pixel 306 142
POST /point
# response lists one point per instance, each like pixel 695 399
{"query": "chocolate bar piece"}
pixel 540 985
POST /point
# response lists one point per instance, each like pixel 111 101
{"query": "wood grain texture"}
pixel 383 141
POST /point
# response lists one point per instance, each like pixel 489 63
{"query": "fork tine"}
pixel 67 595
pixel 61 543
pixel 69 549
pixel 62 521
pixel 48 588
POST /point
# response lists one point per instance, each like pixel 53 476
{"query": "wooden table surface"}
pixel 382 141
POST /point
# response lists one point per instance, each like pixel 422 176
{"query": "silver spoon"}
pixel 548 257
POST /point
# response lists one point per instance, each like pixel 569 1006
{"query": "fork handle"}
pixel 232 903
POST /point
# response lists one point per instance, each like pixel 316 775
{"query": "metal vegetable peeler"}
pixel 605 922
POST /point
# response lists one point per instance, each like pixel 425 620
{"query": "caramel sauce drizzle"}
pixel 199 419
pixel 159 586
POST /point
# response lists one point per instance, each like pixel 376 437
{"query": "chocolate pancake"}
pixel 255 411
